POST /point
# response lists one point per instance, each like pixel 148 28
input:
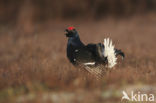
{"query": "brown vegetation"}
pixel 35 63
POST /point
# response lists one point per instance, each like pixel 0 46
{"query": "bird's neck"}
pixel 75 41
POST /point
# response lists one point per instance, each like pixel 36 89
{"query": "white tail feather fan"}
pixel 109 52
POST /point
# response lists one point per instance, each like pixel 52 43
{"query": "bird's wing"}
pixel 92 48
pixel 83 55
pixel 89 63
pixel 97 51
pixel 102 53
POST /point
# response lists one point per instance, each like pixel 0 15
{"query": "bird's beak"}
pixel 66 32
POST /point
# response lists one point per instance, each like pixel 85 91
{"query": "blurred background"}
pixel 33 63
pixel 43 10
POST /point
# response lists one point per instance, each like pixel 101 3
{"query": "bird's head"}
pixel 71 32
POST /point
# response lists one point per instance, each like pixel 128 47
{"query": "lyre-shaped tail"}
pixel 109 52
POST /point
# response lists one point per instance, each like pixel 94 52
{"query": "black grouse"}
pixel 91 54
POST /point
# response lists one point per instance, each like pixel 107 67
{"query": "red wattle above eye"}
pixel 71 28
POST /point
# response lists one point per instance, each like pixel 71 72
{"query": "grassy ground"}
pixel 34 67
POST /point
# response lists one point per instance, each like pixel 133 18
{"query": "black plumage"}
pixel 79 54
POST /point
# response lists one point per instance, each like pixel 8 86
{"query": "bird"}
pixel 90 55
